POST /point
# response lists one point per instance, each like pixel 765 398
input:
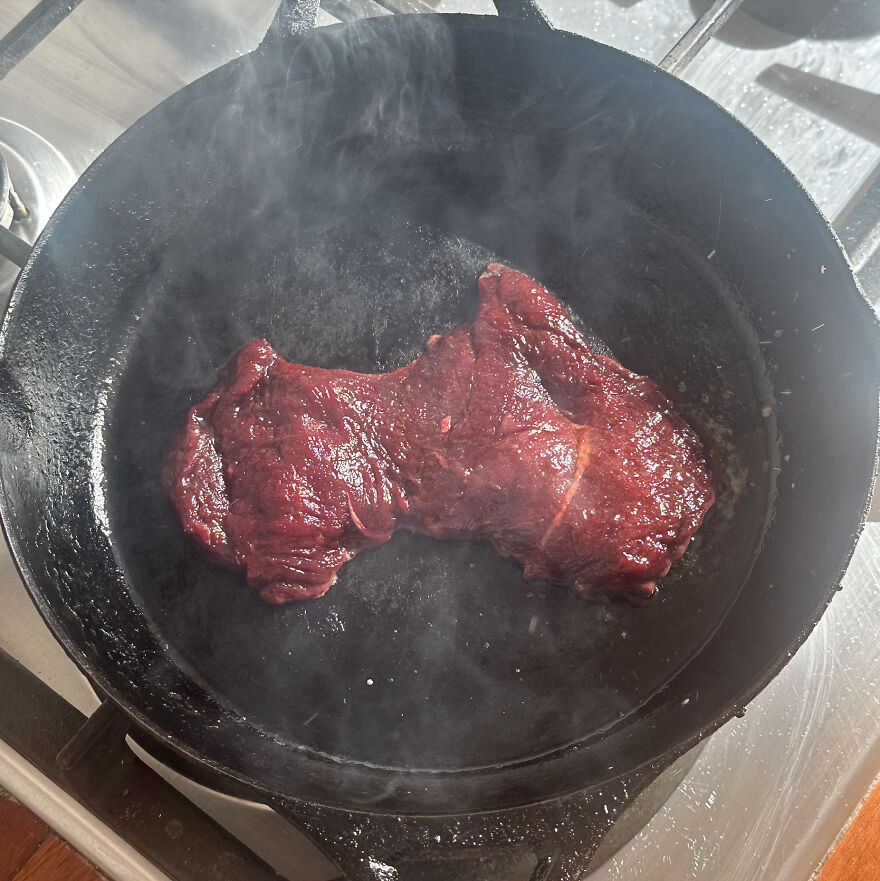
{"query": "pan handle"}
pixel 298 16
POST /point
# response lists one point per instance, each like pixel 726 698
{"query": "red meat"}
pixel 508 429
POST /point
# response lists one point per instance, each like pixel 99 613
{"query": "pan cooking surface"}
pixel 425 653
pixel 347 247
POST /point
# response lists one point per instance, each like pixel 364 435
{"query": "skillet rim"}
pixel 456 782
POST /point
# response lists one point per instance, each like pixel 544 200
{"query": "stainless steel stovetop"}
pixel 771 791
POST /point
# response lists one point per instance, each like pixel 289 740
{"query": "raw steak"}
pixel 508 429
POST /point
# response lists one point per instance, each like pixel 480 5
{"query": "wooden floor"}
pixel 857 855
pixel 29 851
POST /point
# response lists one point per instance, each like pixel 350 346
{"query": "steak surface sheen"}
pixel 507 429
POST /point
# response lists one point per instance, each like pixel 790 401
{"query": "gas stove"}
pixel 768 793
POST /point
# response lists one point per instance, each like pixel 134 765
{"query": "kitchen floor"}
pixel 29 851
pixel 856 856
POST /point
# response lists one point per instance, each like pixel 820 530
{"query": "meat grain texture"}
pixel 507 429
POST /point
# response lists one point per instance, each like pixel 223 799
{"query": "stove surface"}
pixel 770 791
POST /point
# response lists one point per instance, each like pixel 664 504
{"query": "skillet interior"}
pixel 346 224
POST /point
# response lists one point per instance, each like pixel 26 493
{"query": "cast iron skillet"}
pixel 338 192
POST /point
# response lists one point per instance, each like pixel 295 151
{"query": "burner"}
pixel 855 109
pixel 817 19
pixel 764 24
pixel 34 177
